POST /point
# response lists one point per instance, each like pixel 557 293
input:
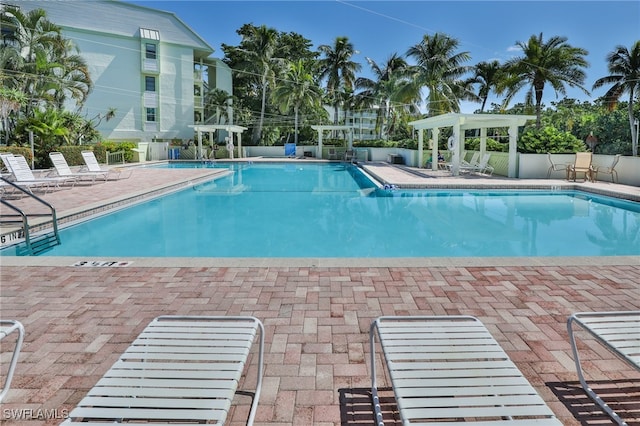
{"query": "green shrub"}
pixel 473 144
pixel 549 139
pixel 110 146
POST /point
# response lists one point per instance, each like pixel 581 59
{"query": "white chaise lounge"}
pixel 7 328
pixel 448 370
pixel 617 331
pixel 179 370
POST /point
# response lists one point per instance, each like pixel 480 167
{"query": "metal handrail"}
pixel 25 216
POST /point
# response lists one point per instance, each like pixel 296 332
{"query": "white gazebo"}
pixel 232 129
pixel 322 128
pixel 462 122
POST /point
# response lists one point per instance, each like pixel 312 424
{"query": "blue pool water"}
pixel 333 210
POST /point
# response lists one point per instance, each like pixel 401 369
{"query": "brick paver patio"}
pixel 317 316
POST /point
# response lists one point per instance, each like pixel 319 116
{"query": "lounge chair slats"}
pixel 180 369
pixel 619 332
pixel 451 368
pixel 8 328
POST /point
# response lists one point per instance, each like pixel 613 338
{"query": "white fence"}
pixel 530 166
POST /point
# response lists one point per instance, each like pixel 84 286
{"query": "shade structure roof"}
pixel 472 121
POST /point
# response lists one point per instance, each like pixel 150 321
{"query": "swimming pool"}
pixel 334 210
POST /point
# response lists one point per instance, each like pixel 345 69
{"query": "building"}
pixel 145 63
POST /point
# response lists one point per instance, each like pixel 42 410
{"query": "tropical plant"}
pixel 385 92
pixel 43 67
pixel 11 100
pixel 549 139
pixel 216 106
pixel 624 69
pixel 555 62
pixel 259 46
pixel 49 130
pixel 295 90
pixel 487 77
pixel 439 68
pixel 339 70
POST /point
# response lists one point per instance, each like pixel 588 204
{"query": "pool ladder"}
pixel 33 244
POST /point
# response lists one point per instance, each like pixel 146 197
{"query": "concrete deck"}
pixel 316 312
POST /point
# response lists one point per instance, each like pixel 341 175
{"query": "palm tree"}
pixel 439 69
pixel 488 77
pixel 555 62
pixel 339 70
pixel 385 91
pixel 69 76
pixel 260 50
pixel 624 66
pixel 297 89
pixel 217 102
pixel 33 39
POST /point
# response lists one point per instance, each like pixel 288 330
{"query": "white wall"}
pixel 535 166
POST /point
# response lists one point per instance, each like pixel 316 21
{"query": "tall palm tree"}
pixel 339 69
pixel 297 89
pixel 624 69
pixel 261 46
pixel 439 68
pixel 487 77
pixel 385 91
pixel 555 62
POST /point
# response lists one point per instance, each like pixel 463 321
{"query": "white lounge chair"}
pixel 450 370
pixel 92 165
pixel 481 166
pixel 179 370
pixel 619 332
pixel 24 176
pixel 7 327
pixel 63 169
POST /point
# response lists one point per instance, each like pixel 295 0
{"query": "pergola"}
pixel 461 122
pixel 322 128
pixel 232 129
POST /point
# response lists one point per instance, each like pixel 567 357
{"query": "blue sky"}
pixel 486 29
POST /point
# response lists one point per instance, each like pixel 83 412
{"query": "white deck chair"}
pixel 619 332
pixel 63 169
pixel 24 176
pixel 450 370
pixel 7 327
pixel 92 165
pixel 179 370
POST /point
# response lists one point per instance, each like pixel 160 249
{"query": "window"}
pixel 151 114
pixel 149 34
pixel 149 83
pixel 150 51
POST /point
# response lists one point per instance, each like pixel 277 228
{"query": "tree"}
pixel 624 69
pixel 385 92
pixel 487 77
pixel 555 62
pixel 339 70
pixel 297 89
pixel 216 105
pixel 11 100
pixel 439 68
pixel 260 46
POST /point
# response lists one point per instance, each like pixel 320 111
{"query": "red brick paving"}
pixel 78 321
